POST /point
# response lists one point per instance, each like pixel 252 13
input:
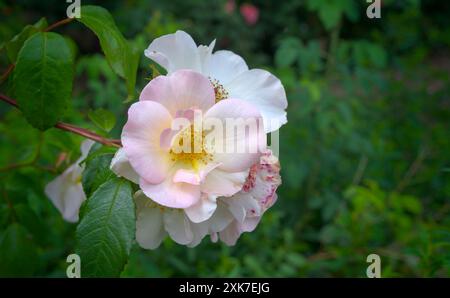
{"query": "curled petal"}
pixel 194 176
pixel 241 205
pixel 171 194
pixel 121 166
pixel 66 193
pixel 202 210
pixel 174 51
pixel 224 183
pixel 205 54
pixel 265 91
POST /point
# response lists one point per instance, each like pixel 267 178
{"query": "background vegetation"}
pixel 365 156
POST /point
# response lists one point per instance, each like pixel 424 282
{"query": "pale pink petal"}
pixel 199 231
pixel 221 217
pixel 231 234
pixel 205 54
pixel 202 210
pixel 222 183
pixel 174 51
pixel 265 91
pixel 121 166
pixel 250 224
pixel 149 222
pixel 249 136
pixel 214 237
pixel 186 176
pixel 194 176
pixel 171 194
pixel 178 226
pixel 141 140
pixel 166 138
pixel 242 205
pixel 183 120
pixel 224 66
pixel 66 193
pixel 180 91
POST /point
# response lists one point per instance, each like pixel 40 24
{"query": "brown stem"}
pixel 73 129
pixel 57 24
pixel 9 100
pixel 88 134
pixel 7 72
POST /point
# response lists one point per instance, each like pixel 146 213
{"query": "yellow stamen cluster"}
pixel 219 90
pixel 194 153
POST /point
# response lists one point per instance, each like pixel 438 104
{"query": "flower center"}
pixel 189 147
pixel 219 90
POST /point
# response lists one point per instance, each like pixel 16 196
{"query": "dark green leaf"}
pixel 4 215
pixel 288 52
pixel 107 229
pixel 121 55
pixel 97 168
pixel 103 151
pixel 72 45
pixel 104 119
pixel 15 44
pixel 43 79
pixel 28 218
pixel 18 255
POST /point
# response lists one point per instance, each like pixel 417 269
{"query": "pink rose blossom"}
pixel 191 181
pixel 250 13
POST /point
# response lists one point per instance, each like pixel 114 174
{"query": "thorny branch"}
pixel 73 129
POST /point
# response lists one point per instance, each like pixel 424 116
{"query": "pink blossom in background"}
pixel 250 13
pixel 230 6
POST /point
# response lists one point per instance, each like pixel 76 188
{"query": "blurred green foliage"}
pixel 365 156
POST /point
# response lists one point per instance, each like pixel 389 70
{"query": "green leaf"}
pixel 18 256
pixel 330 14
pixel 106 230
pixel 288 52
pixel 103 151
pixel 121 54
pixel 330 11
pixel 28 218
pixel 4 215
pixel 97 169
pixel 103 119
pixel 310 57
pixel 72 45
pixel 43 79
pixel 369 54
pixel 15 44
